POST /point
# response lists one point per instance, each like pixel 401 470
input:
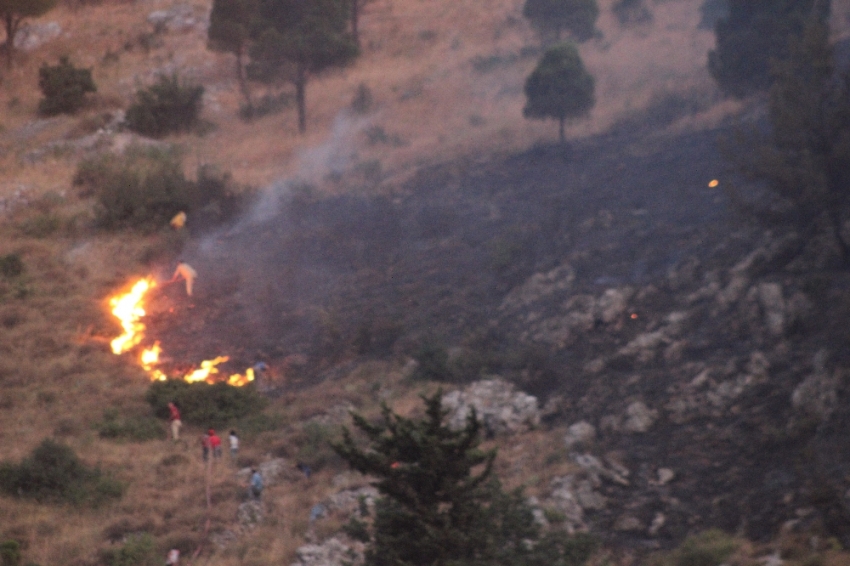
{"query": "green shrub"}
pixel 64 88
pixel 204 404
pixel 133 428
pixel 145 186
pixel 10 553
pixel 316 449
pixel 708 548
pixel 54 473
pixel 165 107
pixel 138 550
pixel 433 362
pixel 11 265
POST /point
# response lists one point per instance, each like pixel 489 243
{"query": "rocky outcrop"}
pixel 335 551
pixel 500 407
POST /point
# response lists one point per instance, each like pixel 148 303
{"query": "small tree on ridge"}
pixel 559 87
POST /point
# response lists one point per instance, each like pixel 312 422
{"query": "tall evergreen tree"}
pixel 229 31
pixel 441 504
pixel 294 40
pixel 559 87
pixel 803 162
pixel 14 12
pixel 753 34
pixel 552 18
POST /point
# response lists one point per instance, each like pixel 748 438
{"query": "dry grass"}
pixel 56 372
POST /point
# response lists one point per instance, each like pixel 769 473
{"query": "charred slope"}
pixel 609 280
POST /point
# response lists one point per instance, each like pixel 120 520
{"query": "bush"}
pixel 138 550
pixel 54 473
pixel 708 548
pixel 64 88
pixel 433 362
pixel 204 404
pixel 145 186
pixel 165 107
pixel 134 428
pixel 10 553
pixel 11 265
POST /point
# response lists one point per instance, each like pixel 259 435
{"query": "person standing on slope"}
pixel 185 271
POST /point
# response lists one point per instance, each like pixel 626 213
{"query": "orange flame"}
pixel 129 311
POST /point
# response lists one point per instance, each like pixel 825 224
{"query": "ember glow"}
pixel 129 309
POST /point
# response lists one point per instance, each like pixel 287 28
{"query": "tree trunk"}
pixel 561 136
pixel 355 15
pixel 243 82
pixel 11 24
pixel 843 245
pixel 300 97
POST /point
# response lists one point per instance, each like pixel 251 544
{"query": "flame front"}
pixel 129 310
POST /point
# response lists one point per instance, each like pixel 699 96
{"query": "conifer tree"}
pixel 441 504
pixel 294 40
pixel 559 87
pixel 802 160
pixel 752 35
pixel 14 12
pixel 229 31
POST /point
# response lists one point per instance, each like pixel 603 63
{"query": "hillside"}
pixel 609 281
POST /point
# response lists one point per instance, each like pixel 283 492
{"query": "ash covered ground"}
pixel 608 280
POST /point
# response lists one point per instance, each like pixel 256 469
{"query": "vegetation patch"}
pixel 64 88
pixel 204 404
pixel 132 428
pixel 138 550
pixel 165 107
pixel 53 473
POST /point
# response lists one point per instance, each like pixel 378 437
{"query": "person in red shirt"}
pixel 215 444
pixel 174 420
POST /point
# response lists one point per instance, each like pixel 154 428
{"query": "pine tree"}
pixel 295 40
pixel 441 504
pixel 754 34
pixel 803 160
pixel 14 12
pixel 229 31
pixel 559 87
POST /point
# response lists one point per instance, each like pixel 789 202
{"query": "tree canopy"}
pixel 752 35
pixel 294 40
pixel 553 17
pixel 14 12
pixel 559 87
pixel 230 31
pixel 441 504
pixel 802 160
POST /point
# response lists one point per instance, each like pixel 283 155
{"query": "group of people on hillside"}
pixel 211 444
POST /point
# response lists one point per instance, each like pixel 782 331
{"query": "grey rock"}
pixel 817 395
pixel 773 304
pixel 32 36
pixel 596 470
pixel 580 433
pixel 501 408
pixel 250 514
pixel 665 476
pixel 333 552
pixel 613 303
pixel 639 417
pixel 628 523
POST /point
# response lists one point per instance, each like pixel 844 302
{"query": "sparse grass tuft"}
pixel 204 404
pixel 132 428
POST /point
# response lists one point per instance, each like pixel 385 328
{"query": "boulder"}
pixel 639 417
pixel 579 434
pixel 501 408
pixel 612 304
pixel 333 552
pixel 773 305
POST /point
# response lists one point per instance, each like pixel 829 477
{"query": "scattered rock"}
pixel 612 304
pixel 579 434
pixel 32 35
pixel 665 476
pixel 773 304
pixel 180 17
pixel 817 395
pixel 628 523
pixel 250 514
pixel 639 417
pixel 273 471
pixel 657 522
pixel 501 408
pixel 333 552
pixel 595 470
